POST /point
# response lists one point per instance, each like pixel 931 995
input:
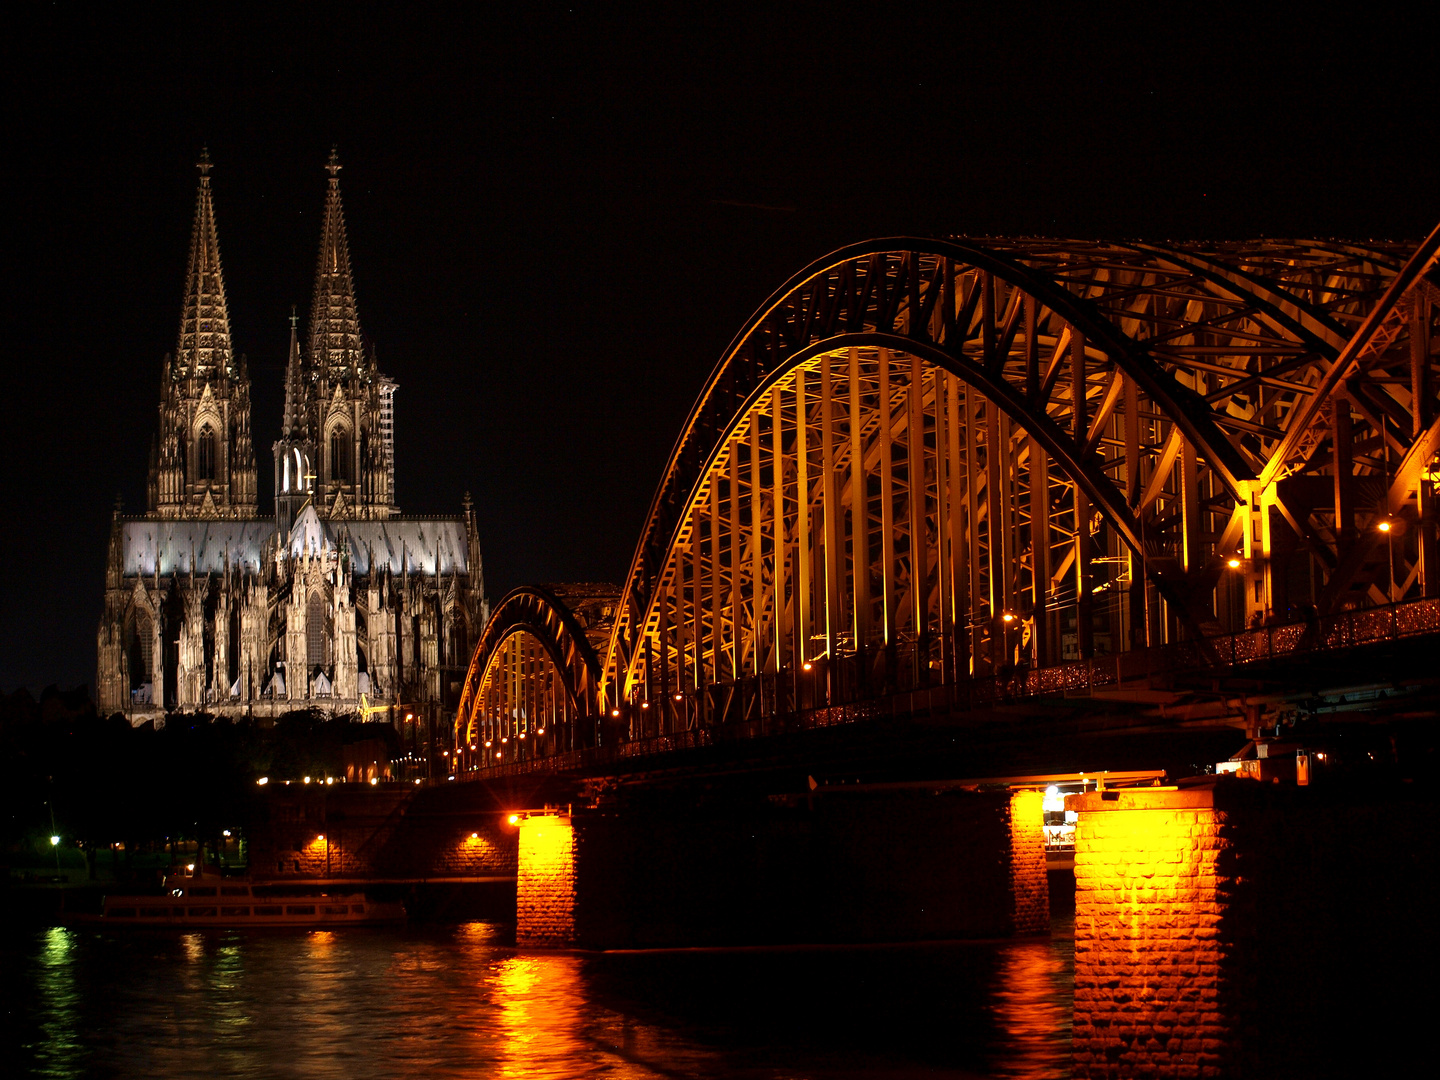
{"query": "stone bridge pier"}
pixel 856 865
pixel 1248 929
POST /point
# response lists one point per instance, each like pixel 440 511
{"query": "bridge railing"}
pixel 1078 677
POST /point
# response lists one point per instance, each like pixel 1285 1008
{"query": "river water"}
pixel 463 1001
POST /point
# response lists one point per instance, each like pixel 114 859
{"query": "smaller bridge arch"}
pixel 532 685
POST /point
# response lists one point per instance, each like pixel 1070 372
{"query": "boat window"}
pixel 234 890
pixel 122 913
pixel 202 912
pixel 153 912
pixel 268 909
pixel 335 909
pixel 202 890
pixel 234 911
pixel 300 909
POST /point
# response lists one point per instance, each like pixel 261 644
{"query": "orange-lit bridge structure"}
pixel 954 524
pixel 928 473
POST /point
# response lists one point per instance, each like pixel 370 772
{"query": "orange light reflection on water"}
pixel 1031 1010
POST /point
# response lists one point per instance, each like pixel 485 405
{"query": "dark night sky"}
pixel 558 219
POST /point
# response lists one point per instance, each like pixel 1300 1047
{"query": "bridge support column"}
pixel 545 881
pixel 1248 929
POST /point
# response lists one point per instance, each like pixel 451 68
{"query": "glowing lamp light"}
pixel 505 738
pixel 54 841
pixel 1009 616
pixel 522 734
pixel 409 716
pixel 514 819
pixel 224 832
pixel 307 779
pixel 319 837
pixel 644 704
pixel 374 780
pixel 263 781
pixel 540 731
pixel 488 744
pixel 1233 563
pixel 678 697
pixel 189 866
pixel 807 665
pixel 329 779
pixel 497 754
pixel 417 781
pixel 614 712
pixel 474 836
pixel 1384 526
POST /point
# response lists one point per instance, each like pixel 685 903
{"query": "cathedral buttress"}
pixel 203 461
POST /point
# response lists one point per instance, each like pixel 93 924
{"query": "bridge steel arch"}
pixel 925 460
pixel 533 680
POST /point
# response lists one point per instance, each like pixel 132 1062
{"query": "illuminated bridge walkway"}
pixel 931 475
pixel 949 517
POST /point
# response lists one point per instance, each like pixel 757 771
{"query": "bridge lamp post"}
pixel 1387 527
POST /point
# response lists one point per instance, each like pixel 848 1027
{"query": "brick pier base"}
pixel 1251 930
pixel 545 882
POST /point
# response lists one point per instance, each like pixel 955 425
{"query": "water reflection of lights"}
pixel 1030 1007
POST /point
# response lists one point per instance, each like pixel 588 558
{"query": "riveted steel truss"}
pixel 533 673
pixel 922 461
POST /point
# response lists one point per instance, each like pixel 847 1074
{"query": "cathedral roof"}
pixel 334 321
pixel 425 546
pixel 204 345
pixel 177 547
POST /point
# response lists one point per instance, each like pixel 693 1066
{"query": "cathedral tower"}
pixel 202 463
pixel 348 401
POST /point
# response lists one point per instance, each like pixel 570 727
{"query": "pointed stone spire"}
pixel 204 347
pixel 334 324
pixel 292 424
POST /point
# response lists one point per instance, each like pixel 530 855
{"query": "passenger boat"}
pixel 200 897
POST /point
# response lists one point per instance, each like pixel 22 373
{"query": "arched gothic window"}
pixel 339 454
pixel 205 454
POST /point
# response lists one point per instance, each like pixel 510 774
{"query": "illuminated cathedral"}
pixel 336 601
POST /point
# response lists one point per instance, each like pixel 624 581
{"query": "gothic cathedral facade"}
pixel 337 601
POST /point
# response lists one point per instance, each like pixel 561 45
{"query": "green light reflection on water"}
pixel 59 1052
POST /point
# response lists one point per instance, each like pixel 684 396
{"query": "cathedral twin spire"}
pixel 335 343
pixel 336 427
pixel 204 347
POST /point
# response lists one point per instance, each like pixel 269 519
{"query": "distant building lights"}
pixel 224 832
pixel 307 779
pixel 263 781
pixel 329 779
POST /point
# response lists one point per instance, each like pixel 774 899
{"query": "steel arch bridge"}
pixel 924 462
